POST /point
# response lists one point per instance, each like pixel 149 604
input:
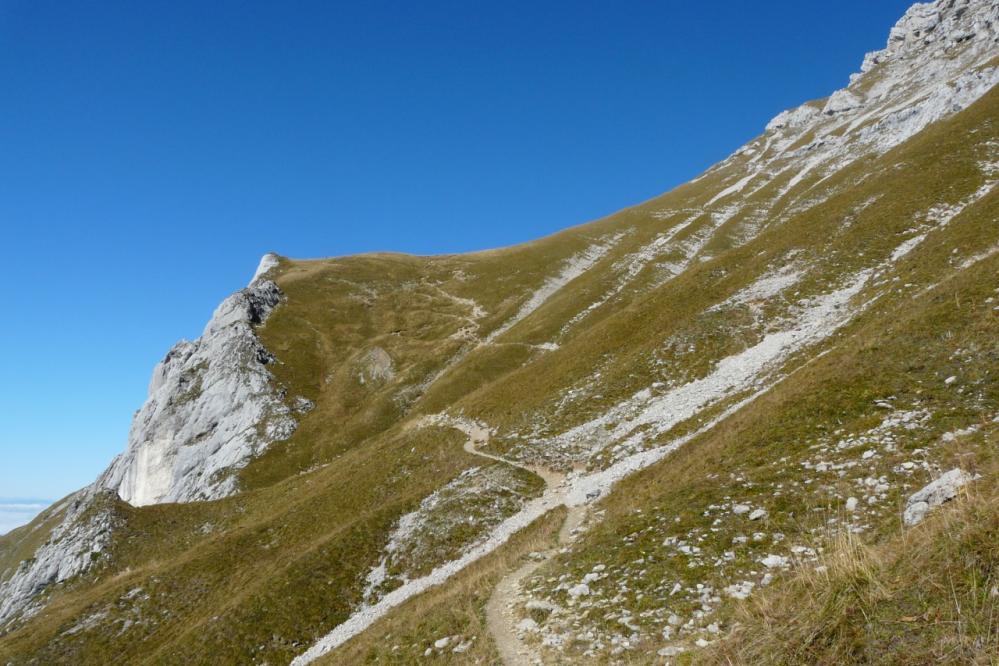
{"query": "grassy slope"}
pixel 901 350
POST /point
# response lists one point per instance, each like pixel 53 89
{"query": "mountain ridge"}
pixel 754 271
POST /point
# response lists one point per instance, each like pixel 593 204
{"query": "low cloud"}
pixel 13 513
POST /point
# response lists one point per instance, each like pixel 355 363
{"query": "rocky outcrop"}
pixel 792 118
pixel 267 262
pixel 840 101
pixel 938 61
pixel 212 406
pixel 936 27
pixel 83 527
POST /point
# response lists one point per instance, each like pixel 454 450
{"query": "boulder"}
pixel 934 494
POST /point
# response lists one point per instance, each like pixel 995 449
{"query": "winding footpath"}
pixel 501 617
pixel 557 493
pixel 573 491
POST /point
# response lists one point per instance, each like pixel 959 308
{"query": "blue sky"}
pixel 151 152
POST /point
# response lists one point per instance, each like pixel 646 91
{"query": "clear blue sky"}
pixel 150 152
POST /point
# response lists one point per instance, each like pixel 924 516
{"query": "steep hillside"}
pixel 716 426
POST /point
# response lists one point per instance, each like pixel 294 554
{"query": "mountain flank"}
pixel 752 420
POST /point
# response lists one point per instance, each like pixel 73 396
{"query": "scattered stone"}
pixel 774 561
pixel 527 624
pixel 740 590
pixel 671 651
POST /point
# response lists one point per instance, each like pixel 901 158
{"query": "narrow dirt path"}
pixel 501 617
pixel 501 625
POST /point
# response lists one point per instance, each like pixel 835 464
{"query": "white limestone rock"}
pixel 212 407
pixel 775 561
pixel 937 62
pixel 792 118
pixel 840 101
pixel 934 494
pixel 78 540
pixel 267 262
pixel 930 26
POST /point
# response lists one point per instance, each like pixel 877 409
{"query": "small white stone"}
pixel 774 561
pixel 527 624
pixel 671 651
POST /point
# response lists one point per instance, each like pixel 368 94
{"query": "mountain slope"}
pixel 717 384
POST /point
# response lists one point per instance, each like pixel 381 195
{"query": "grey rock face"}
pixel 937 62
pixel 840 101
pixel 212 406
pixel 77 541
pixel 267 262
pixel 937 26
